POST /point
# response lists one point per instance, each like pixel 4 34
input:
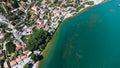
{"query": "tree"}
pixel 2 62
pixel 10 47
pixel 90 3
pixel 8 36
pixel 36 57
pixel 36 39
pixel 15 4
pixel 25 0
pixel 20 52
pixel 26 66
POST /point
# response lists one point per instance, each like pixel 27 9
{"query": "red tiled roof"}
pixel 24 56
pixel 12 63
pixel 39 21
pixel 39 26
pixel 47 27
pixel 45 21
pixel 34 8
pixel 26 52
pixel 18 60
pixel 2 35
pixel 19 46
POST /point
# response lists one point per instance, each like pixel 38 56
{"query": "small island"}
pixel 26 26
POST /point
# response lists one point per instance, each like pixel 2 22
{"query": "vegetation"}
pixel 26 66
pixel 90 3
pixel 20 52
pixel 8 36
pixel 17 26
pixel 36 57
pixel 37 39
pixel 15 4
pixel 24 39
pixel 2 10
pixel 80 7
pixel 2 62
pixel 10 47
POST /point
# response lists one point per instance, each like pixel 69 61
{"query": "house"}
pixel 41 15
pixel 45 21
pixel 2 35
pixel 47 27
pixel 26 52
pixel 13 63
pixel 19 45
pixel 29 53
pixel 34 8
pixel 32 16
pixel 18 60
pixel 40 26
pixel 23 57
pixel 39 21
pixel 37 12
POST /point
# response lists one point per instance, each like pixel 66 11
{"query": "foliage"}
pixel 12 17
pixel 26 66
pixel 10 47
pixel 3 25
pixel 90 3
pixel 0 47
pixel 20 52
pixel 24 39
pixel 36 39
pixel 2 10
pixel 2 62
pixel 15 4
pixel 36 57
pixel 80 7
pixel 8 36
pixel 25 0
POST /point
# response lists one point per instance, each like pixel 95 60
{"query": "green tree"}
pixel 10 47
pixel 20 52
pixel 36 39
pixel 15 4
pixel 8 36
pixel 26 66
pixel 36 57
pixel 90 3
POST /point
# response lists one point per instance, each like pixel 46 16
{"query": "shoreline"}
pixel 43 53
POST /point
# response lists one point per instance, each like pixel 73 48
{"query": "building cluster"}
pixel 30 15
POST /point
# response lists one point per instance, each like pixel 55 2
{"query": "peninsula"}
pixel 26 26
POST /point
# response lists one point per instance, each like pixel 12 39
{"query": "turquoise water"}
pixel 88 40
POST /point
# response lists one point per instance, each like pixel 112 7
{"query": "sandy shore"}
pixel 66 17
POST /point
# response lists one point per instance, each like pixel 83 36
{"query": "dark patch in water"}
pixel 91 25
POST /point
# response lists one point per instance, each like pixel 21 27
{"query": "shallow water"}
pixel 88 40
